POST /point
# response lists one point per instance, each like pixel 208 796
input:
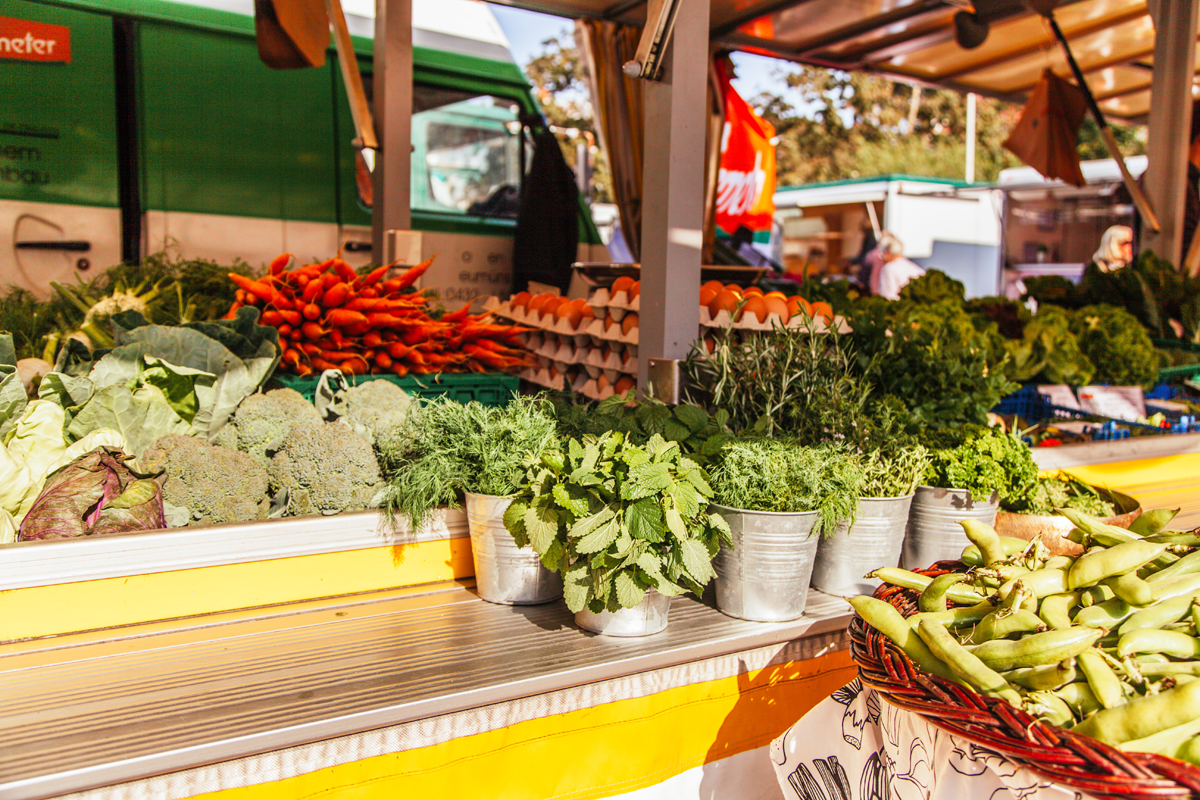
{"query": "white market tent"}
pixel 1130 51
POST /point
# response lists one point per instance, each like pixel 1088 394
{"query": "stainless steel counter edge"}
pixel 732 636
pixel 27 564
pixel 1080 455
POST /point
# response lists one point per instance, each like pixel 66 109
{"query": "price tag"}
pixel 1117 402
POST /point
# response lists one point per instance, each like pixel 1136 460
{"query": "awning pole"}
pixel 392 84
pixel 1175 24
pixel 673 191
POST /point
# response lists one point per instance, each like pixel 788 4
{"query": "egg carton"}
pixel 750 322
pixel 612 364
pixel 543 376
pixel 617 303
pixel 598 389
pixel 613 333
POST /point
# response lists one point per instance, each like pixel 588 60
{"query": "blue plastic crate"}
pixel 1027 403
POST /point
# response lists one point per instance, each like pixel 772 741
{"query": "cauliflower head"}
pixel 325 469
pixel 214 484
pixel 262 421
pixel 380 405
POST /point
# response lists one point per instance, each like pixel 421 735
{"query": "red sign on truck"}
pixel 23 40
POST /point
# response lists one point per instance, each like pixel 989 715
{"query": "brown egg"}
pixel 798 305
pixel 726 300
pixel 707 293
pixel 536 302
pixel 756 305
pixel 621 284
pixel 575 312
pixel 629 323
pixel 610 321
pixel 624 384
pixel 716 286
pixel 776 293
pixel 551 305
pixel 733 287
pixel 777 305
pixel 635 290
pixel 520 300
pixel 753 290
pixel 823 310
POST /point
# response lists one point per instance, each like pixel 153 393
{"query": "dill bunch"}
pixel 454 447
pixel 780 475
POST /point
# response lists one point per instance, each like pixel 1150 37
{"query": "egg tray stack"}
pixel 1069 759
pixel 593 352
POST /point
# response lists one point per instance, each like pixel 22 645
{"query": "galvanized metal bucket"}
pixel 764 578
pixel 874 540
pixel 933 530
pixel 646 618
pixel 505 573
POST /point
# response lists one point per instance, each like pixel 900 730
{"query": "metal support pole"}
pixel 970 169
pixel 392 83
pixel 673 193
pixel 1175 23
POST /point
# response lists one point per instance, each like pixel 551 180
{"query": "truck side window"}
pixel 466 154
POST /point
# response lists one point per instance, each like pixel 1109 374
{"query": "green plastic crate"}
pixel 489 388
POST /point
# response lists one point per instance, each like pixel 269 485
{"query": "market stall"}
pixel 346 654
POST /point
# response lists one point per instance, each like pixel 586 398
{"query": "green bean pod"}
pixel 1184 538
pixel 1055 610
pixel 1003 623
pixel 1164 742
pixel 1049 708
pixel 1188 751
pixel 933 596
pixel 1188 565
pixel 1175 587
pixel 955 617
pixel 888 621
pixel 986 539
pixel 911 580
pixel 973 558
pixel 1195 614
pixel 1098 531
pixel 1170 668
pixel 1058 562
pixel 1080 697
pixel 1144 716
pixel 1095 595
pixel 1091 568
pixel 1169 643
pixel 1100 676
pixel 1130 588
pixel 970 670
pixel 1108 614
pixel 1049 677
pixel 1041 582
pixel 1164 612
pixel 1151 522
pixel 1036 649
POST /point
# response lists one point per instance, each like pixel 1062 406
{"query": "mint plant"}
pixel 617 519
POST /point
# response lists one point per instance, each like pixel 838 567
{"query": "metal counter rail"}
pixel 97 709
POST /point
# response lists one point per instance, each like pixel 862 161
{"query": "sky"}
pixel 526 30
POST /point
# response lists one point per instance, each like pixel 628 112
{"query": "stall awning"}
pixel 913 41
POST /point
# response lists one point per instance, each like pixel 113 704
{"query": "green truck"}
pixel 134 126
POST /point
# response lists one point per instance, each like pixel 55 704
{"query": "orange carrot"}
pixel 313 290
pixel 280 262
pixel 344 318
pixel 410 275
pixel 336 295
pixel 271 317
pixel 312 330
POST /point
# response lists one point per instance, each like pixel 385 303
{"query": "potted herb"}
pixel 480 451
pixel 890 477
pixel 972 471
pixel 778 498
pixel 623 524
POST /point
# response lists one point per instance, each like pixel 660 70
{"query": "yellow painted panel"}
pixel 111 602
pixel 1167 470
pixel 598 752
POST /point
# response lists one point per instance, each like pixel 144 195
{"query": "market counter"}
pixel 418 692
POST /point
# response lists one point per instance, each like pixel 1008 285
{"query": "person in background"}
pixel 894 271
pixel 1116 248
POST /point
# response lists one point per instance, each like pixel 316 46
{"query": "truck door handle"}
pixel 71 246
pixel 358 247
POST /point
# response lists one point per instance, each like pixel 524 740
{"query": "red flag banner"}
pixel 746 181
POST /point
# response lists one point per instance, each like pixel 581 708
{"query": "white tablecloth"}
pixel 857 746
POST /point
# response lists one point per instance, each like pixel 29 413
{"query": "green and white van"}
pixel 130 126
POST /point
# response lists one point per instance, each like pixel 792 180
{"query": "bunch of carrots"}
pixel 329 317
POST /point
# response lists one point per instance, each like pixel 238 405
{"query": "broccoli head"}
pixel 380 405
pixel 214 484
pixel 325 469
pixel 263 420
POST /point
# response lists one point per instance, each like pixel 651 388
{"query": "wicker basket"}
pixel 1069 759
